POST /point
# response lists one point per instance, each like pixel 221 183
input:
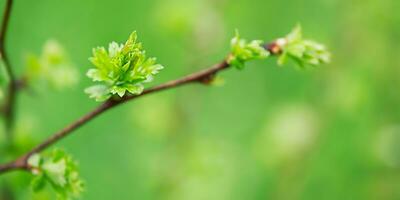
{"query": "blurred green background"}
pixel 269 133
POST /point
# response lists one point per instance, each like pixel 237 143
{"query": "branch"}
pixel 203 76
pixel 8 109
pixel 4 26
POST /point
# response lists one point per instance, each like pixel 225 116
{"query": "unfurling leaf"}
pixel 52 67
pixel 243 51
pixel 38 183
pixel 121 69
pixel 303 52
pixel 59 170
pixel 98 92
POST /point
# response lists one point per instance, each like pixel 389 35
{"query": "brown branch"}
pixel 199 77
pixel 8 108
pixel 5 22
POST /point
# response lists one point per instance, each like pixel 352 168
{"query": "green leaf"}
pixel 295 35
pixel 303 52
pixel 38 183
pixel 95 75
pixel 55 171
pixel 60 171
pixel 118 90
pixel 51 68
pixel 122 69
pixel 98 92
pixel 243 51
pixel 134 89
pixel 282 59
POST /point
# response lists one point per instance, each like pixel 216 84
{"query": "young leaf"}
pixel 59 170
pixel 303 52
pixel 51 68
pixel 243 51
pixel 38 183
pixel 98 92
pixel 123 69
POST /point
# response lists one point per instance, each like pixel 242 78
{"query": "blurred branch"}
pixel 8 107
pixel 202 77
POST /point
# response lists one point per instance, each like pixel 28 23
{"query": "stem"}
pixel 8 109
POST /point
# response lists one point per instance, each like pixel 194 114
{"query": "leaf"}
pixel 98 92
pixel 295 35
pixel 134 89
pixel 118 90
pixel 114 48
pixel 38 183
pixel 95 75
pixel 51 68
pixel 55 171
pixel 76 184
pixel 282 59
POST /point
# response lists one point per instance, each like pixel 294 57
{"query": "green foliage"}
pixel 123 68
pixel 60 171
pixel 303 52
pixel 51 68
pixel 293 46
pixel 243 51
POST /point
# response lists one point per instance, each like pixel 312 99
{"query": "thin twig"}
pixel 197 77
pixel 8 109
pixel 9 104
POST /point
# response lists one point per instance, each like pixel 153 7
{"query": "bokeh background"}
pixel 269 133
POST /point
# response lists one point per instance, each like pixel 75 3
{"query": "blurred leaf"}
pixel 303 52
pixel 34 160
pixel 52 68
pixel 60 171
pixel 98 92
pixel 38 183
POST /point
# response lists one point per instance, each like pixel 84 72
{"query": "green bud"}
pixel 303 52
pixel 59 170
pixel 243 51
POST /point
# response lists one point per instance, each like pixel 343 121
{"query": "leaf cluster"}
pixel 123 69
pixel 243 51
pixel 58 170
pixel 302 51
pixel 51 68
